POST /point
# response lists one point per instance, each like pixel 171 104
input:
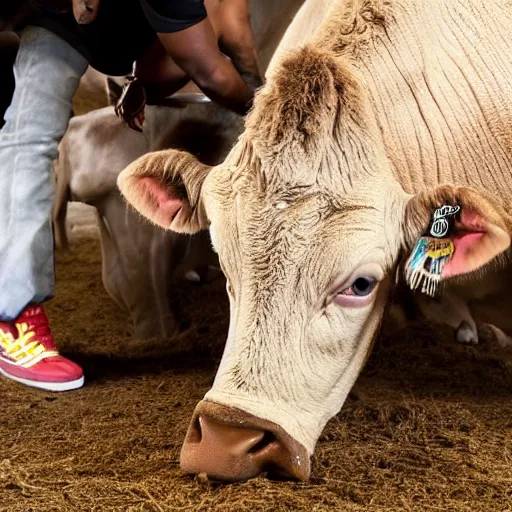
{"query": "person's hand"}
pixel 130 106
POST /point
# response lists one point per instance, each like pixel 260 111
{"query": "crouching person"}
pixel 62 39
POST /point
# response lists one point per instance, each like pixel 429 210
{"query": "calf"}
pixel 140 261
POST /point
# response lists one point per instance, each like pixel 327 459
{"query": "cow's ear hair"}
pixel 165 187
pixel 481 228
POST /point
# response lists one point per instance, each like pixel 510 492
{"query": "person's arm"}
pixel 160 75
pixel 237 40
pixel 195 50
pixel 187 48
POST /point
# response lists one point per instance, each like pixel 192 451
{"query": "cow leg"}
pixel 394 320
pixel 452 311
pixel 60 209
pixel 199 260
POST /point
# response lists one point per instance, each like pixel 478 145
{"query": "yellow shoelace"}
pixel 24 350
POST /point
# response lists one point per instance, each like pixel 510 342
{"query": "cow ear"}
pixel 113 90
pixel 479 228
pixel 165 187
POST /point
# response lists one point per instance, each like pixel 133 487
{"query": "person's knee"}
pixel 46 55
pixel 48 71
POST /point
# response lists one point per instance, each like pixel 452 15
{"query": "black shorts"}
pixel 123 29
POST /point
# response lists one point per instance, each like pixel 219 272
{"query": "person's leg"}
pixel 47 73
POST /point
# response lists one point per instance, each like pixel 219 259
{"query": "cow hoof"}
pixel 466 334
pixel 192 276
pixel 203 274
pixel 499 337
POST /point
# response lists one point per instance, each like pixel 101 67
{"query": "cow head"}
pixel 309 223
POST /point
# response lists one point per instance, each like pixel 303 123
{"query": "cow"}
pixel 374 115
pixel 141 262
pixel 93 152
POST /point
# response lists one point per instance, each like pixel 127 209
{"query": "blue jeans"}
pixel 47 73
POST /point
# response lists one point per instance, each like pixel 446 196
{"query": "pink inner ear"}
pixel 471 221
pixel 464 246
pixel 465 243
pixel 165 205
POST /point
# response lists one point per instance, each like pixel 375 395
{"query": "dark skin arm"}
pixel 231 22
pixel 162 77
pixel 196 52
pixel 237 40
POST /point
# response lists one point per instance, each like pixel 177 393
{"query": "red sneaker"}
pixel 28 354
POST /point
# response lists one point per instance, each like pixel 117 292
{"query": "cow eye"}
pixel 358 293
pixel 361 287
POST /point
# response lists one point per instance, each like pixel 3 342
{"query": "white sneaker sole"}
pixel 48 386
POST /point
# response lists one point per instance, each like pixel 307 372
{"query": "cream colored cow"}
pixel 388 110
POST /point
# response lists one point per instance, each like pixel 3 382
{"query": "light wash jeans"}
pixel 47 72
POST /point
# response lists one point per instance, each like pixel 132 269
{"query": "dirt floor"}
pixel 428 426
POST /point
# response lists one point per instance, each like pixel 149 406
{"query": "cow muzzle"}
pixel 231 445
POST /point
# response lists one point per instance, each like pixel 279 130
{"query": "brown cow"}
pixel 386 112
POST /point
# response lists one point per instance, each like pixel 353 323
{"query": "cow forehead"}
pixel 258 224
pixel 304 257
pixel 247 180
pixel 288 229
pixel 245 198
pixel 251 217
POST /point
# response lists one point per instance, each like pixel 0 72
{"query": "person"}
pixel 59 42
pixel 157 75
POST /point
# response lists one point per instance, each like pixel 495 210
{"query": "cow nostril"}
pixel 227 444
pixel 195 433
pixel 268 439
